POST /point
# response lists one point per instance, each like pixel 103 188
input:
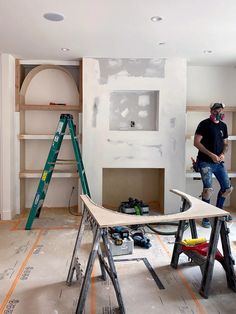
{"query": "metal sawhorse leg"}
pixel 99 234
pixel 219 229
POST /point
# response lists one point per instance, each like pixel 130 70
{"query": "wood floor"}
pixel 34 266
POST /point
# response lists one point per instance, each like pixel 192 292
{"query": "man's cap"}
pixel 217 105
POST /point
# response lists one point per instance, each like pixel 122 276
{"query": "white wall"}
pixel 164 148
pixel 100 146
pixel 206 84
pixel 7 136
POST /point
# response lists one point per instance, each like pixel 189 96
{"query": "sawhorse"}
pixel 100 219
pixel 206 263
pixel 109 266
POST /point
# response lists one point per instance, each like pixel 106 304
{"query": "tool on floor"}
pixel 204 253
pixel 189 242
pixel 100 219
pixel 119 240
pixel 141 240
pixel 65 120
pixel 116 238
pixel 122 231
pixel 118 234
pixel 133 206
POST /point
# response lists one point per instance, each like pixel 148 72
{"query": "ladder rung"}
pixel 66 159
pixel 65 120
pixel 63 162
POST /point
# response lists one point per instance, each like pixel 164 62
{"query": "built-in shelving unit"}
pixel 39 105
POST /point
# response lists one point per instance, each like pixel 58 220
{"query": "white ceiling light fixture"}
pixel 161 43
pixel 53 17
pixel 156 18
pixel 65 49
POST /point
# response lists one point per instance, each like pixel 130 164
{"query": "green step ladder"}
pixel 65 119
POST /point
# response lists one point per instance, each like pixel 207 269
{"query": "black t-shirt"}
pixel 213 135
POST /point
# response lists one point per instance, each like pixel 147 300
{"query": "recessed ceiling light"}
pixel 65 49
pixel 207 51
pixel 161 43
pixel 53 17
pixel 156 18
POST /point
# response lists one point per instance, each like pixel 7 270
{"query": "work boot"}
pixel 206 223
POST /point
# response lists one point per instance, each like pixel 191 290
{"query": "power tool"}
pixel 118 234
pixel 141 240
pixel 134 206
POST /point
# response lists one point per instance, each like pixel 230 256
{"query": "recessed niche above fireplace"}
pixel 134 110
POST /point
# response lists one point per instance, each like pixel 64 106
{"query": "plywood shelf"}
pixel 207 108
pixel 230 137
pixel 36 174
pixel 196 175
pixel 51 107
pixel 41 137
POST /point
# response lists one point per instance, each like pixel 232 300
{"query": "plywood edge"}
pixel 108 218
pixel 17 85
pixel 46 107
pixel 35 71
pixel 204 108
pixel 34 174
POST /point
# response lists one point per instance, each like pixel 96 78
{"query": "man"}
pixel 211 140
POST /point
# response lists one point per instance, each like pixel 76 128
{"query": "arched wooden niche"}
pixel 35 71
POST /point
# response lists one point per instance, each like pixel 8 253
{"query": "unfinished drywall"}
pixel 115 68
pixel 134 110
pixel 162 148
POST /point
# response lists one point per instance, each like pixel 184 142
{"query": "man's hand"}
pixel 215 158
pixel 222 157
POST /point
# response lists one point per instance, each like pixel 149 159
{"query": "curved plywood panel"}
pixel 108 218
pixel 46 80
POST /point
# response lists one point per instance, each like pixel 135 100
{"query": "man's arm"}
pixel 197 143
pixel 225 149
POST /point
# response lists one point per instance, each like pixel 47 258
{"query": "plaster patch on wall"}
pixel 124 157
pixel 115 142
pixel 155 146
pixel 143 100
pixel 95 112
pixel 172 123
pixel 143 114
pixel 173 141
pixel 130 67
pixel 159 147
pixel 126 113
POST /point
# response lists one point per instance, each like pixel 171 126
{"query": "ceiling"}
pixel 121 29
